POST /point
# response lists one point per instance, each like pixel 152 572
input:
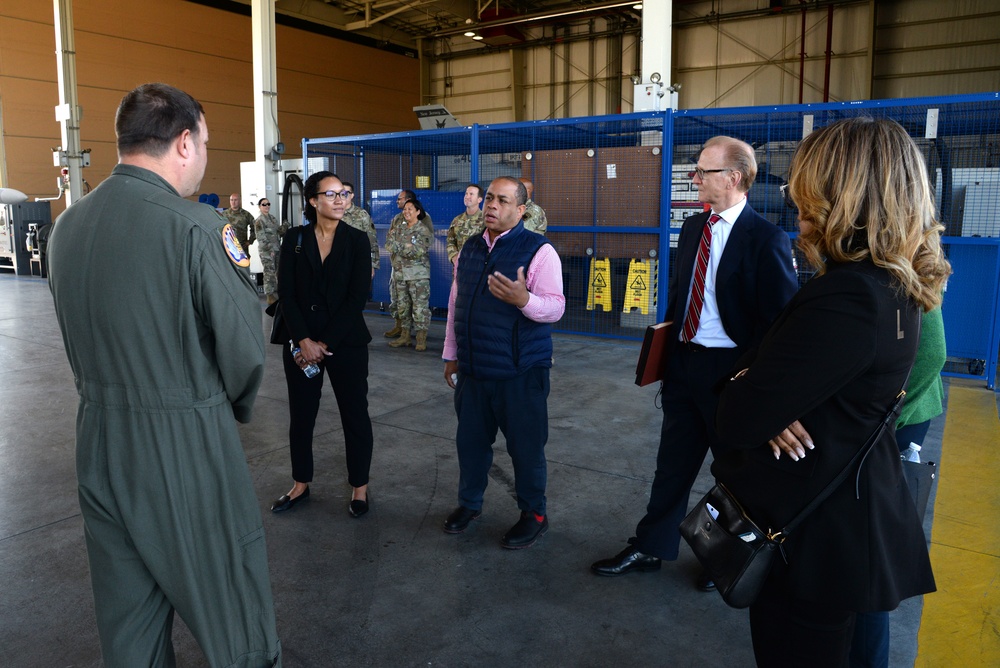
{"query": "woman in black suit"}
pixel 324 276
pixel 830 367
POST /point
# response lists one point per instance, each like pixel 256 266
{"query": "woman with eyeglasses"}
pixel 324 278
pixel 269 233
pixel 410 244
pixel 800 408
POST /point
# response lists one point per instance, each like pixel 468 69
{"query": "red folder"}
pixel 655 351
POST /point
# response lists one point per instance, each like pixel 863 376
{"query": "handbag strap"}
pixel 859 458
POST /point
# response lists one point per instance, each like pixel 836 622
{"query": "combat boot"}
pixel 395 331
pixel 402 341
pixel 421 340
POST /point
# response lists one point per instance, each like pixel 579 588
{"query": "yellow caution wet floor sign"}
pixel 599 291
pixel 640 290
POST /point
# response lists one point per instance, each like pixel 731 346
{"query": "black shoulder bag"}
pixel 279 332
pixel 735 551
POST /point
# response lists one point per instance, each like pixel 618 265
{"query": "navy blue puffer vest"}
pixel 495 341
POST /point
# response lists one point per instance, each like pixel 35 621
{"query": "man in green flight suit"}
pixel 162 328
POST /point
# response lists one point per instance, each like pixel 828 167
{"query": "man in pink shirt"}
pixel 497 355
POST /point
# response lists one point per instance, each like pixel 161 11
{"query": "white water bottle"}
pixel 311 370
pixel 911 454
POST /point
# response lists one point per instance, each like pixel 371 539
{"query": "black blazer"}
pixel 754 281
pixel 324 300
pixel 835 359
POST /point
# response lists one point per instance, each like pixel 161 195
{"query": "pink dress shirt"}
pixel 543 278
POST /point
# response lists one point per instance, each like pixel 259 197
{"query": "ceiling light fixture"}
pixel 637 6
pixel 477 37
pixel 470 34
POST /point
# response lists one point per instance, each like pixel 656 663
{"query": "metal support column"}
pixel 68 113
pixel 267 137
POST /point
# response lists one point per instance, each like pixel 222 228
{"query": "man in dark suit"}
pixel 734 275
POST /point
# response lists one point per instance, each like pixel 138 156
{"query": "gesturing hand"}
pixel 506 290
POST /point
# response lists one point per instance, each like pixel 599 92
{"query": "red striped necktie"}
pixel 693 315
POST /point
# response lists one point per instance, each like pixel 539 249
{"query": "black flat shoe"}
pixel 285 502
pixel 358 507
pixel 629 559
pixel 459 519
pixel 705 582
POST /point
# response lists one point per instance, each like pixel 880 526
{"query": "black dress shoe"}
pixel 524 534
pixel 285 502
pixel 358 507
pixel 459 519
pixel 629 559
pixel 705 582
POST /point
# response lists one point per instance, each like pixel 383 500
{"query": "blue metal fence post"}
pixel 666 177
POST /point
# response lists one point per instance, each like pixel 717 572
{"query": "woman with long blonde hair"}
pixel 802 406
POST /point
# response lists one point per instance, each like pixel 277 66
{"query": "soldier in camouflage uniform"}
pixel 534 216
pixel 467 224
pixel 395 228
pixel 268 233
pixel 409 246
pixel 359 219
pixel 241 220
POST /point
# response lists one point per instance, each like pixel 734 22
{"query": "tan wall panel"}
pixel 326 86
pixel 26 50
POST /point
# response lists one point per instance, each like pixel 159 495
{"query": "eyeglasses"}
pixel 787 196
pixel 348 193
pixel 701 172
pixel 266 204
pixel 335 195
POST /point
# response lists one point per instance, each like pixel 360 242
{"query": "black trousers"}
pixel 348 372
pixel 688 431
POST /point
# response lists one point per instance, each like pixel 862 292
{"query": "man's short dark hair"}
pixel 409 194
pixel 479 189
pixel 348 184
pixel 152 116
pixel 521 194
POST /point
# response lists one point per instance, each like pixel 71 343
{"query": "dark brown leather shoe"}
pixel 459 519
pixel 629 559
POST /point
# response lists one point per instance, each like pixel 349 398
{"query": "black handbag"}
pixel 279 332
pixel 735 551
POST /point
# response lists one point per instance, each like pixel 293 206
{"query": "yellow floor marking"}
pixel 960 625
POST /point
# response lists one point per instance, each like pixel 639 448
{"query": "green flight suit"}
pixel 163 333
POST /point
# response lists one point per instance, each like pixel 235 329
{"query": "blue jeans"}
pixel 870 645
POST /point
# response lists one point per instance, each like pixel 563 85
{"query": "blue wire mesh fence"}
pixel 616 189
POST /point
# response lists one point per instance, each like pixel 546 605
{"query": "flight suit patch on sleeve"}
pixel 233 248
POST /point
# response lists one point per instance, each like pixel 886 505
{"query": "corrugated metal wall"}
pixel 729 53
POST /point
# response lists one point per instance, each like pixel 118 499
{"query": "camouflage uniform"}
pixel 359 219
pixel 268 233
pixel 411 273
pixel 534 218
pixel 463 227
pixel 241 221
pixel 398 227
